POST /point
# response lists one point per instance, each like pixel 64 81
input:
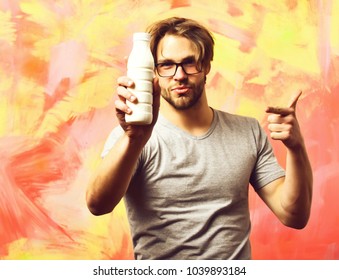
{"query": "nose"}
pixel 180 74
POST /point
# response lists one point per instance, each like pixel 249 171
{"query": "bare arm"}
pixel 290 197
pixel 110 181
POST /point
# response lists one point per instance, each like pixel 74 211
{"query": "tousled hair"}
pixel 188 28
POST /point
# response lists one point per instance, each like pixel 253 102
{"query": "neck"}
pixel 195 120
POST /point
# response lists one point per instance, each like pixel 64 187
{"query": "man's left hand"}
pixel 283 124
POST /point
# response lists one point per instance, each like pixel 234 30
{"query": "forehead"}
pixel 175 48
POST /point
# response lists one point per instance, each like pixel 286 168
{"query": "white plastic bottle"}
pixel 140 68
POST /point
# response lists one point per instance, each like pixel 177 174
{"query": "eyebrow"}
pixel 190 58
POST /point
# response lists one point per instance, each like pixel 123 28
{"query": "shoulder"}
pixel 236 121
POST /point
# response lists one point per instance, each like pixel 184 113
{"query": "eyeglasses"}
pixel 168 69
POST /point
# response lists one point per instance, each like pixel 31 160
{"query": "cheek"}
pixel 199 83
pixel 163 85
pixel 163 89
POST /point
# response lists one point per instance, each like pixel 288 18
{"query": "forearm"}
pixel 296 195
pixel 110 182
pixel 290 198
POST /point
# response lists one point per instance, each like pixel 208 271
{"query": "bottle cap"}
pixel 142 36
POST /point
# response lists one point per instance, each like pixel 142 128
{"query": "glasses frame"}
pixel 181 64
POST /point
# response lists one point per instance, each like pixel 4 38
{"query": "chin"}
pixel 183 105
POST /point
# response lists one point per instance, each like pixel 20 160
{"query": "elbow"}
pixel 96 207
pixel 95 210
pixel 297 217
pixel 297 221
pixel 296 225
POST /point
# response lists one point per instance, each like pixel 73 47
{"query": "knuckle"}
pixel 270 118
pixel 120 90
pixel 289 128
pixel 274 135
pixel 120 80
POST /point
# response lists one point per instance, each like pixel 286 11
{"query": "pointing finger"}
pixel 279 111
pixel 293 102
pixel 287 110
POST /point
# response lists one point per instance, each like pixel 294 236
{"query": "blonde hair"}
pixel 188 28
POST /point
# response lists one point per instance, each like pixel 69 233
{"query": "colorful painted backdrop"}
pixel 59 61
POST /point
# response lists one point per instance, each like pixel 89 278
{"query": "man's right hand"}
pixel 140 132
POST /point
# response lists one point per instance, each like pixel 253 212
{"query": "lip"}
pixel 181 89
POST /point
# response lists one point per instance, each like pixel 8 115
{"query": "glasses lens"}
pixel 169 69
pixel 190 68
pixel 166 69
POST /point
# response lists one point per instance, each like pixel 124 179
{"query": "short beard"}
pixel 183 105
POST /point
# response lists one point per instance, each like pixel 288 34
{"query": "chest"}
pixel 177 170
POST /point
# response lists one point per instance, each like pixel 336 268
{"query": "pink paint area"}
pixel 246 38
pixel 10 5
pixel 30 172
pixel 67 62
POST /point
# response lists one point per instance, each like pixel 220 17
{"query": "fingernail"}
pixel 132 98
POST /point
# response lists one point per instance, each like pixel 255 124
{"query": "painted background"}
pixel 58 64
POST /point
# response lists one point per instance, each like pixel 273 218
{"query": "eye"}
pixel 189 63
pixel 166 65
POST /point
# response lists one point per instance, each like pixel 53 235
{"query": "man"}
pixel 185 177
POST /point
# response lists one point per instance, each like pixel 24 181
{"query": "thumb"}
pixel 294 100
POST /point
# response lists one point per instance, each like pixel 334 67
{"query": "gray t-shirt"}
pixel 188 198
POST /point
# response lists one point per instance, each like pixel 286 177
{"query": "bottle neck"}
pixel 141 43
